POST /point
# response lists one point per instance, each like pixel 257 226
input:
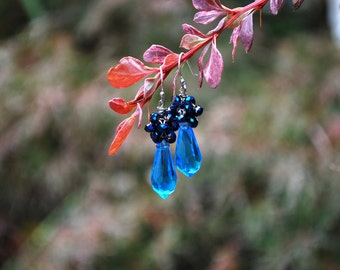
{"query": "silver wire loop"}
pixel 179 62
pixel 162 93
pixel 183 89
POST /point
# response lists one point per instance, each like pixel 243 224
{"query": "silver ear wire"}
pixel 192 72
pixel 183 89
pixel 162 93
pixel 179 66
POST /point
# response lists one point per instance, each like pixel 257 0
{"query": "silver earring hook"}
pixel 192 72
pixel 162 93
pixel 183 89
pixel 187 62
pixel 179 62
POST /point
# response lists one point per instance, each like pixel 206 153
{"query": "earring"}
pixel 188 156
pixel 162 129
pixel 182 116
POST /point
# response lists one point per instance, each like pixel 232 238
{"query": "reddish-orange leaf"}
pixel 170 60
pixel 119 105
pixel 128 71
pixel 123 130
pixel 156 54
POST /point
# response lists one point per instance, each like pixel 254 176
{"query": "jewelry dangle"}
pixel 188 156
pixel 162 129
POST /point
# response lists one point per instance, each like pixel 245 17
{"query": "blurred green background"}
pixel 267 195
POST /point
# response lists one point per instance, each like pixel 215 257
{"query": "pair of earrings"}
pixel 181 115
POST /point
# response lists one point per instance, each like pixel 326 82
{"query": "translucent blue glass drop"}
pixel 188 155
pixel 163 174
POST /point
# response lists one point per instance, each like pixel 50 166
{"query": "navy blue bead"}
pixel 190 99
pixel 189 108
pixel 169 114
pixel 149 127
pixel 174 126
pixel 198 110
pixel 156 138
pixel 163 128
pixel 193 122
pixel 154 117
pixel 180 118
pixel 171 137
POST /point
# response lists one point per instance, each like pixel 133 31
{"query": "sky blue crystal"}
pixel 188 155
pixel 163 174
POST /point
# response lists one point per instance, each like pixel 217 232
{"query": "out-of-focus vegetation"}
pixel 267 195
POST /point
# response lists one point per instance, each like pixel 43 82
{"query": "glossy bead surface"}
pixel 188 155
pixel 163 174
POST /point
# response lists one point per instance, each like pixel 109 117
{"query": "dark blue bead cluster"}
pixel 185 110
pixel 164 123
pixel 162 126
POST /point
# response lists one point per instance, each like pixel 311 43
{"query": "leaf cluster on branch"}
pixel 130 70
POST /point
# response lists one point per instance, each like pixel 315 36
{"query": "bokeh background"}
pixel 267 195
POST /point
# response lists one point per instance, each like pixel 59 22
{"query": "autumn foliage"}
pixel 130 70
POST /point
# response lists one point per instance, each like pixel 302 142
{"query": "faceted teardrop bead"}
pixel 163 174
pixel 188 155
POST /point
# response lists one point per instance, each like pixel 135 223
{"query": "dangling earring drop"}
pixel 188 156
pixel 162 129
pixel 181 115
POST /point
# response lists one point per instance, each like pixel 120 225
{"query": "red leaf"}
pixel 119 105
pixel 275 5
pixel 190 41
pixel 128 71
pixel 170 60
pixel 189 29
pixel 214 67
pixel 205 17
pixel 207 4
pixel 122 131
pixel 247 32
pixel 156 54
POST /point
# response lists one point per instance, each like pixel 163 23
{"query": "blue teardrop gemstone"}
pixel 188 155
pixel 163 174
